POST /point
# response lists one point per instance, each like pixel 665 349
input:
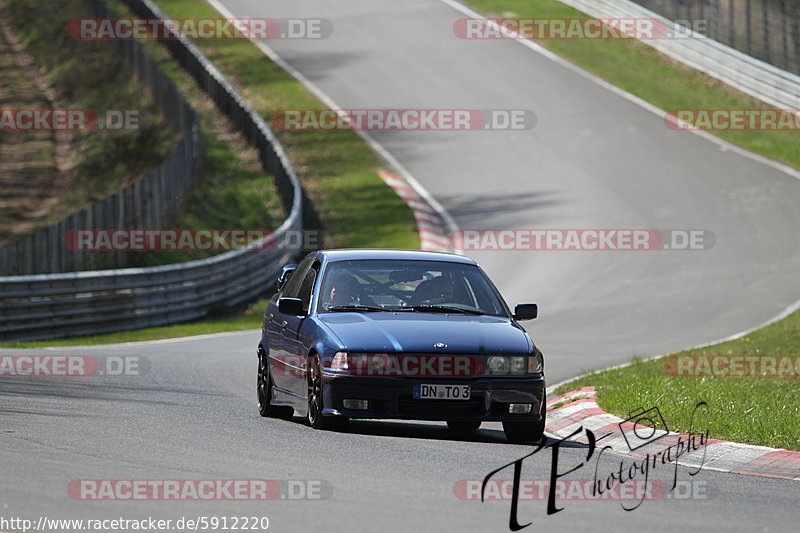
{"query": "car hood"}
pixel 418 332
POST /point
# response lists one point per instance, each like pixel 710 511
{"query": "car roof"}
pixel 399 255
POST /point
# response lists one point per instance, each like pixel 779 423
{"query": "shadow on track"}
pixel 431 431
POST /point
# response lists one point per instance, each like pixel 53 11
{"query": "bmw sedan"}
pixel 398 334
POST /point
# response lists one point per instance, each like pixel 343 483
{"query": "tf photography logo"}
pixel 625 479
pixel 648 426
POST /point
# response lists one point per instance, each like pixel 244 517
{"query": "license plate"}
pixel 441 392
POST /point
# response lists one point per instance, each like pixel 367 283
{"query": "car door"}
pixel 284 359
pixel 293 335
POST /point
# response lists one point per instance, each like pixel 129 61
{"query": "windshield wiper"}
pixel 358 307
pixel 445 309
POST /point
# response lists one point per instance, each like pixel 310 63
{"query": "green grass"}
pixel 751 410
pixel 27 156
pixel 650 75
pixel 89 75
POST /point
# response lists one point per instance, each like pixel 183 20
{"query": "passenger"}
pixel 434 291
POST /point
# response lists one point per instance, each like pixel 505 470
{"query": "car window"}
pixel 402 284
pixel 307 286
pixel 292 287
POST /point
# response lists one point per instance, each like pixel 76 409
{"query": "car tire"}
pixel 315 400
pixel 463 425
pixel 264 388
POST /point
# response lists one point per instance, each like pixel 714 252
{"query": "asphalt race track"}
pixel 192 415
pixel 594 160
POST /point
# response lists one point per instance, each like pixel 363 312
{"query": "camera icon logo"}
pixel 647 427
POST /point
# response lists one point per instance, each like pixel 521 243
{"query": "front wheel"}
pixel 315 402
pixel 264 385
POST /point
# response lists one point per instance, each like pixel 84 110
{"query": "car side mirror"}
pixel 526 311
pixel 286 273
pixel 291 306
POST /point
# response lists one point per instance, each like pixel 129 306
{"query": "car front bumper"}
pixel 392 397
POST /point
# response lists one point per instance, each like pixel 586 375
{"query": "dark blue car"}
pixel 398 334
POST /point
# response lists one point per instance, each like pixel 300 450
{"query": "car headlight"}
pixel 498 364
pixel 364 364
pixel 514 365
pixel 340 361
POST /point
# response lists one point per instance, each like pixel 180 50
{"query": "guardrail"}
pixel 89 303
pixel 766 29
pixel 145 204
pixel 747 74
pixel 46 306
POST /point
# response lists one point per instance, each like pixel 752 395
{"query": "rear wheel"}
pixel 315 402
pixel 264 385
pixel 463 425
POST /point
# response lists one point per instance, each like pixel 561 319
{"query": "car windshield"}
pixel 421 286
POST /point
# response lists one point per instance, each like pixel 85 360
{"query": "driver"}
pixel 345 290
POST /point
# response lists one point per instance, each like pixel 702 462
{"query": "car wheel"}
pixel 463 425
pixel 265 393
pixel 315 402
